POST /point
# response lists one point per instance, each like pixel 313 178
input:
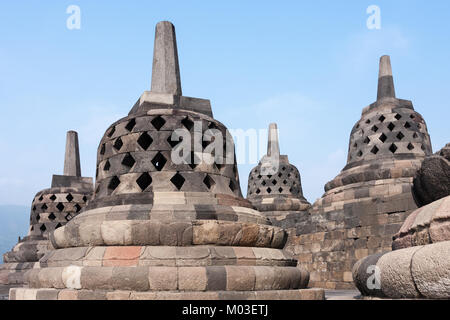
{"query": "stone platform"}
pixel 66 294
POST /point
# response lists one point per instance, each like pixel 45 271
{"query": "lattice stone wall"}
pixel 388 132
pixel 52 208
pixel 134 157
pixel 285 182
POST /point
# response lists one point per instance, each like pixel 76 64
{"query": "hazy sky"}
pixel 310 66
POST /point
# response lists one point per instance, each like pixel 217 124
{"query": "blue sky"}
pixel 309 66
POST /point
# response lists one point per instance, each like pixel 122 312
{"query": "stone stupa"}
pixel 160 229
pixel 51 209
pixel 276 194
pixel 367 203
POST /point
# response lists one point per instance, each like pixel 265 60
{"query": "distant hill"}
pixel 14 222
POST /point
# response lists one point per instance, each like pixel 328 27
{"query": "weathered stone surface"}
pixel 430 269
pixel 432 181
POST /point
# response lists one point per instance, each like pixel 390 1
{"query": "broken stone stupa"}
pixel 367 203
pixel 160 229
pixel 275 187
pixel 50 209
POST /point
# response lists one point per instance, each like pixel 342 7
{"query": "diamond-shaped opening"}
pixel 43 228
pixel 285 182
pixel 85 199
pixel 193 160
pixel 259 177
pixel 77 208
pixel 423 148
pixel 274 182
pixel 357 126
pixel 415 135
pixel 280 190
pixel 59 225
pixel 145 141
pixel 269 190
pixel 102 150
pixel 38 217
pixel 367 140
pixel 158 122
pixel 383 138
pixel 212 125
pixel 400 136
pixel 382 118
pixel 375 150
pixel 60 206
pixel 283 169
pixel 178 181
pixel 113 183
pixel 355 145
pixel 51 216
pixel 393 148
pixel 391 126
pixel 220 166
pixel 69 197
pixel 44 207
pixel 173 143
pixel 131 124
pixel 159 161
pixel 209 182
pixel 53 197
pixel 398 117
pixel 107 166
pixel 412 116
pixel 359 154
pixel 187 123
pixel 407 125
pixel 111 132
pixel 232 185
pixel 368 121
pixel 68 217
pixel 34 208
pixel 144 181
pixel 118 144
pixel 410 147
pixel 41 198
pixel 280 175
pixel 374 128
pixel 258 191
pixel 128 161
pixel 263 183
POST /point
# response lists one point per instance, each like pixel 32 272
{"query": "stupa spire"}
pixel 72 165
pixel 166 70
pixel 273 146
pixel 385 79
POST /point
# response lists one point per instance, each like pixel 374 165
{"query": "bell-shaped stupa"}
pixel 274 185
pixel 167 220
pixel 366 204
pixel 51 208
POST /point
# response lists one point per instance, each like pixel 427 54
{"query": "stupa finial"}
pixel 72 165
pixel 166 70
pixel 273 147
pixel 385 79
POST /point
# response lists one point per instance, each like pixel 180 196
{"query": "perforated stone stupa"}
pixel 279 193
pixel 51 208
pixel 366 204
pixel 160 229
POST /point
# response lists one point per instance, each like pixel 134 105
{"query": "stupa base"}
pixel 14 273
pixel 69 294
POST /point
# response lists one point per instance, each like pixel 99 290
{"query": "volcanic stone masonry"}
pixel 156 229
pixel 366 204
pixel 51 209
pixel 278 194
